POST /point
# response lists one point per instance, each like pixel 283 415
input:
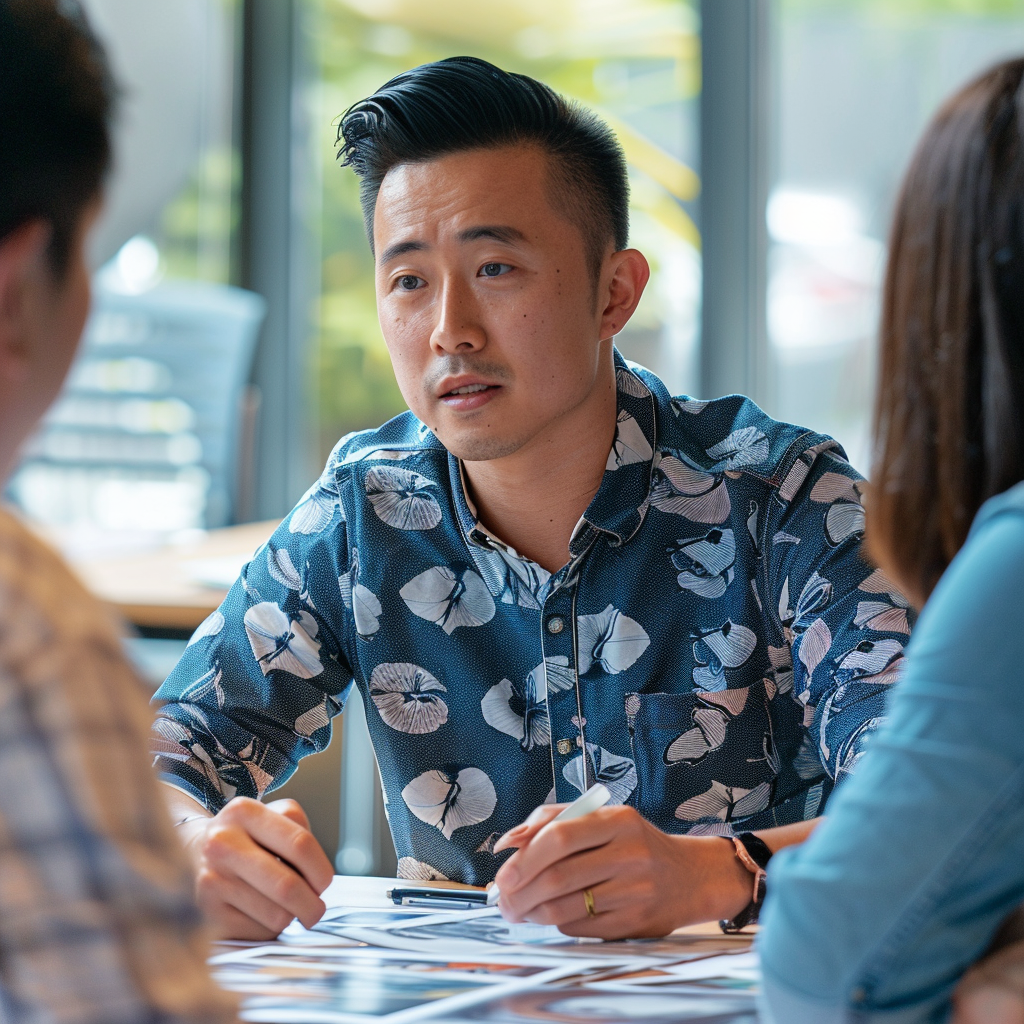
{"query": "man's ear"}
pixel 22 262
pixel 623 278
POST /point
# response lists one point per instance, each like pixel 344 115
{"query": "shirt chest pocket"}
pixel 703 759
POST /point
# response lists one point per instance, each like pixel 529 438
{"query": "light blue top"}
pixel 922 852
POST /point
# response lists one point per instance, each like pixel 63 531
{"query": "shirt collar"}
pixel 620 504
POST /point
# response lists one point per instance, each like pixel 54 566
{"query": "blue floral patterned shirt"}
pixel 715 651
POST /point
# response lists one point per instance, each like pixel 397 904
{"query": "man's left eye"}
pixel 494 269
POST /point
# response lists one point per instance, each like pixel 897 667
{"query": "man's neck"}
pixel 533 499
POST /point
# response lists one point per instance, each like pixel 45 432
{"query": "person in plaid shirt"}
pixel 97 922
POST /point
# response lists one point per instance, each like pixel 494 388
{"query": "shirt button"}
pixel 858 995
pixel 565 746
pixel 556 624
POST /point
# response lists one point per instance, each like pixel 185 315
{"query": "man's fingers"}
pixel 618 915
pixel 229 923
pixel 545 899
pixel 522 834
pixel 283 837
pixel 290 809
pixel 556 841
pixel 571 906
pixel 988 1004
pixel 276 882
pixel 244 898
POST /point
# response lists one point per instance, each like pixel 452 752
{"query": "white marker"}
pixel 595 797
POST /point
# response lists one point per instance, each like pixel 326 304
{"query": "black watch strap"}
pixel 759 855
pixel 757 848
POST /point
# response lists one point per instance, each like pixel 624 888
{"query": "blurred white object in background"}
pixel 135 269
pixel 166 60
pixel 824 276
pixel 825 271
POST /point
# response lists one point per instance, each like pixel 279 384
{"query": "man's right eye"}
pixel 409 282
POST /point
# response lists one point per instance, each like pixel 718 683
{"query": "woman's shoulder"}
pixel 1008 504
pixel 992 557
pixel 979 601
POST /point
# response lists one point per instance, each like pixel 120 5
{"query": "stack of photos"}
pixel 400 965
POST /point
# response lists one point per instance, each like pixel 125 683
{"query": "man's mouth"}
pixel 469 397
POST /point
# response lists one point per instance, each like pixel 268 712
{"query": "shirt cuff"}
pixel 175 781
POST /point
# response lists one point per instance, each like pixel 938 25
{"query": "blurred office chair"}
pixel 146 436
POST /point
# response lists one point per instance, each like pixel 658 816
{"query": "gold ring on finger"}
pixel 588 899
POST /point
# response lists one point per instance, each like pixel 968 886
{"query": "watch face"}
pixel 758 850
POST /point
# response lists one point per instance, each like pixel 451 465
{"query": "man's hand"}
pixel 992 991
pixel 643 881
pixel 257 867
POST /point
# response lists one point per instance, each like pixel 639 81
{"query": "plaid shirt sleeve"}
pixel 97 922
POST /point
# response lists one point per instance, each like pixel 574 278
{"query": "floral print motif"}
pixel 449 598
pixel 408 698
pixel 402 498
pixel 451 799
pixel 610 640
pixel 286 643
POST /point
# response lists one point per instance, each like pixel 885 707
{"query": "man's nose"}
pixel 458 327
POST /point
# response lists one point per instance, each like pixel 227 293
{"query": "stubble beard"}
pixel 480 449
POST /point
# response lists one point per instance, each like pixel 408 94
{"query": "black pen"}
pixel 450 899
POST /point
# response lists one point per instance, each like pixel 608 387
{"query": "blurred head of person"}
pixel 949 414
pixel 497 212
pixel 56 98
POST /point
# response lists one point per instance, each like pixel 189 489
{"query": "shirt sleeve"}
pixel 845 623
pixel 922 852
pixel 265 674
pixel 97 921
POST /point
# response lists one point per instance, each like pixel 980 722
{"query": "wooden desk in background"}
pixel 160 589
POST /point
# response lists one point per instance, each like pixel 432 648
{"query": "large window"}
pixel 855 85
pixel 637 64
pixel 143 442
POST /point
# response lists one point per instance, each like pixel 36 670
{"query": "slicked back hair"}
pixel 464 103
pixel 949 416
pixel 56 97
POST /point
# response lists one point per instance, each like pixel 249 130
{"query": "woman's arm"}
pixel 922 852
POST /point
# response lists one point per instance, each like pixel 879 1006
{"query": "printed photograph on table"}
pixel 313 989
pixel 361 958
pixel 493 931
pixel 458 932
pixel 587 1006
pixel 310 988
pixel 736 973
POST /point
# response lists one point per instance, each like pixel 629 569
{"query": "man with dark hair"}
pixel 549 573
pixel 97 920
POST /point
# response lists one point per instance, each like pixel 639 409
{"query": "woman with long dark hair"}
pixel 921 856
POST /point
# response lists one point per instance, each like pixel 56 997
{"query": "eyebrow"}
pixel 498 232
pixel 392 252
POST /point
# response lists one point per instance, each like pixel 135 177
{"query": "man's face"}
pixel 486 301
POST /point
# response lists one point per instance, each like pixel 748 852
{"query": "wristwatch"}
pixel 754 855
